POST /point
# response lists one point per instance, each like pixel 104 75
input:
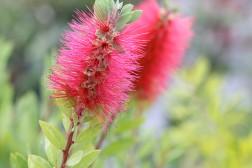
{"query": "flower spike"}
pixel 97 60
pixel 168 38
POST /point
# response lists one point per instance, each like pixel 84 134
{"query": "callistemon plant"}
pixel 91 78
pixel 168 37
pixel 95 65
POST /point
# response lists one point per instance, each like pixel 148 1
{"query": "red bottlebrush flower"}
pixel 169 35
pixel 95 67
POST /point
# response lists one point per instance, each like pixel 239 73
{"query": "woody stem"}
pixel 70 141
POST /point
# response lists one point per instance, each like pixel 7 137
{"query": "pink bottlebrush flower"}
pixel 169 36
pixel 97 60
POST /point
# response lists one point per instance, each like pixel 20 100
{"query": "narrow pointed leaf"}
pixel 110 4
pixel 53 154
pixel 53 134
pixel 37 162
pixel 126 8
pixel 88 159
pixel 119 5
pixel 135 15
pixel 75 158
pixel 100 11
pixel 123 20
pixel 89 133
pixel 66 122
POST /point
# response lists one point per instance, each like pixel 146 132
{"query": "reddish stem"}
pixel 70 141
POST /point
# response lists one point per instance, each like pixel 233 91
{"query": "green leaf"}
pixel 63 107
pixel 88 159
pixel 53 154
pixel 66 122
pixel 118 4
pixel 118 146
pixel 88 118
pixel 53 134
pixel 127 8
pixel 27 121
pixel 135 15
pixel 175 154
pixel 146 148
pixel 100 10
pixel 110 5
pixel 123 20
pixel 37 162
pixel 94 121
pixel 18 161
pixel 75 158
pixel 89 133
pixel 128 125
pixel 198 73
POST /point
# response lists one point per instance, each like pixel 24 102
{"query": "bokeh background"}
pixel 203 120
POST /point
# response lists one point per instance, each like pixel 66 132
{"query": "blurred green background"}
pixel 203 120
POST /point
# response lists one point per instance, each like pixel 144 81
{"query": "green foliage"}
pixel 53 134
pixel 18 161
pixel 88 159
pixel 205 127
pixel 89 133
pixel 18 121
pixel 128 125
pixel 6 108
pixel 37 162
pixel 122 137
pixel 134 16
pixel 64 107
pixel 53 154
pixel 75 158
pixel 127 18
pixel 118 146
pixel 26 122
pixel 123 20
pixel 55 143
pixel 126 9
pixel 104 8
pixel 66 122
pixel 108 8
